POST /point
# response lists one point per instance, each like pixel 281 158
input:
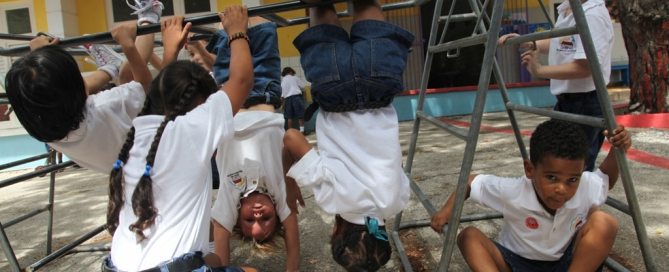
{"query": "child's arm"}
pixel 295 146
pixel 175 35
pixel 621 138
pixel 292 241
pixel 221 243
pixel 441 217
pixel 578 68
pixel 124 34
pixel 235 21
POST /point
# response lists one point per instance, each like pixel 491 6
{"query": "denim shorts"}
pixel 584 104
pixel 363 71
pixel 193 262
pixel 266 61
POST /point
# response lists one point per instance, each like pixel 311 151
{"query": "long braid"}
pixel 116 180
pixel 142 197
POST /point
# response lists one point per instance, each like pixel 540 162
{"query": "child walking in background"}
pixel 160 185
pixel 252 197
pixel 291 94
pixel 570 76
pixel 551 219
pixel 356 173
pixel 51 100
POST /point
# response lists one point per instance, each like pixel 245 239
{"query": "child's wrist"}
pixel 238 36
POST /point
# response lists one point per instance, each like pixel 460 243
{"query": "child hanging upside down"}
pixel 252 198
pixel 356 172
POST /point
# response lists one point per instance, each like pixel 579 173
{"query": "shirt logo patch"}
pixel 566 44
pixel 577 223
pixel 531 223
pixel 237 180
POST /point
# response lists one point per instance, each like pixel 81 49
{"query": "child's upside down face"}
pixel 257 216
pixel 555 180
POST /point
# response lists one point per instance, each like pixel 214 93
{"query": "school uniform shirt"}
pixel 251 162
pixel 181 181
pixel 107 119
pixel 291 85
pixel 528 229
pixel 357 169
pixel 569 48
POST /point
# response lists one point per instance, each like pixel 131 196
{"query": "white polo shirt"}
pixel 357 170
pixel 107 119
pixel 568 48
pixel 250 162
pixel 528 229
pixel 291 85
pixel 181 182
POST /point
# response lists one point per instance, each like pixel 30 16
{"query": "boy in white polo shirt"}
pixel 551 220
pixel 570 76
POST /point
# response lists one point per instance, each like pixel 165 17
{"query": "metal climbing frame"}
pixel 486 32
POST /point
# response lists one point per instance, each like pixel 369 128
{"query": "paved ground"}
pixel 81 201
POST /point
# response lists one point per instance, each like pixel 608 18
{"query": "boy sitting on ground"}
pixel 551 219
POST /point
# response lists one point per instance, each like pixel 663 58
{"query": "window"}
pixel 121 12
pixel 18 21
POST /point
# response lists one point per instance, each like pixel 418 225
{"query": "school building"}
pixel 451 81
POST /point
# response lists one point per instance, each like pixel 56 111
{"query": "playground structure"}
pixel 486 33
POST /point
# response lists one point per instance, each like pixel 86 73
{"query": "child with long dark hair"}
pixel 160 185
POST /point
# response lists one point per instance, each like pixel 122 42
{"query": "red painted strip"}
pixel 632 154
pixel 654 120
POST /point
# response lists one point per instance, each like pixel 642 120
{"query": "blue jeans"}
pixel 266 62
pixel 363 71
pixel 585 104
pixel 188 262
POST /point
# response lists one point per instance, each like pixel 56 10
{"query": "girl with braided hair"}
pixel 159 192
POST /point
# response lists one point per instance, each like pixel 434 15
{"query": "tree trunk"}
pixel 645 27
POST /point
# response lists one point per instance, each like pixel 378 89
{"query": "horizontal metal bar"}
pixel 203 30
pixel 576 118
pixel 65 249
pixel 614 265
pixel 456 131
pixel 466 218
pixel 26 216
pixel 89 249
pixel 280 21
pixel 422 197
pixel 558 32
pixel 459 43
pixel 618 205
pixel 458 17
pixel 16 37
pixel 23 161
pixel 27 176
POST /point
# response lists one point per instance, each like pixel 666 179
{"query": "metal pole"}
pixel 9 252
pixel 609 116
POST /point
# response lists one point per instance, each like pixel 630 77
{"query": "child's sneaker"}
pixel 105 58
pixel 147 11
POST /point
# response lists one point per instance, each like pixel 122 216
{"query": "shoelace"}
pixel 139 8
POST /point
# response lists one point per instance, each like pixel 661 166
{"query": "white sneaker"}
pixel 147 11
pixel 105 58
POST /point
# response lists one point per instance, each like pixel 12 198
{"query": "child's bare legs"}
pixel 480 252
pixel 323 15
pixel 594 241
pixel 95 81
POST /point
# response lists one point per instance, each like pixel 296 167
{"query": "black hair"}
pixel 175 91
pixel 355 249
pixel 559 138
pixel 287 70
pixel 47 92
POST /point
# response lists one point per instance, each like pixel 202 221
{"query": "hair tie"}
pixel 373 229
pixel 147 170
pixel 118 164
